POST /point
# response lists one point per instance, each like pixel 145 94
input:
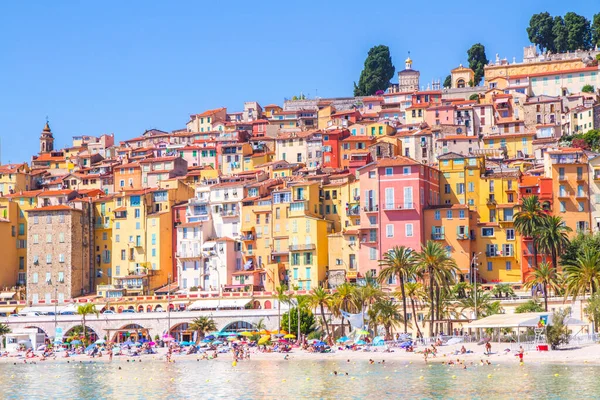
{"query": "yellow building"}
pixel 233 157
pixel 582 119
pixel 517 145
pixel 14 178
pixel 379 129
pixel 324 116
pixel 11 265
pixel 415 114
pixel 103 235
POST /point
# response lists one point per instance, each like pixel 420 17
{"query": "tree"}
pixel 474 96
pixel 596 30
pixel 557 333
pixel 434 263
pixel 529 306
pixel 592 310
pixel 414 291
pixel 377 72
pixel 342 299
pixel 387 313
pixel 321 299
pixel 545 276
pixel 448 81
pixel 561 35
pixel 459 291
pixel 587 89
pixel 4 329
pixel 540 31
pixel 398 262
pixel 502 289
pixel 201 325
pixel 477 61
pixel 527 221
pixel 281 298
pixel 553 237
pixel 260 325
pixel 583 274
pixel 576 247
pixel 483 307
pixel 579 32
pixel 84 310
pixel 307 320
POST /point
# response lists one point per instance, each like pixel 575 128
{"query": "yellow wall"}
pixel 103 224
pixel 9 262
pixel 513 144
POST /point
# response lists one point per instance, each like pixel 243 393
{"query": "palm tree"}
pixel 434 262
pixel 320 298
pixel 260 325
pixel 202 325
pixel 583 274
pixel 341 301
pixel 398 262
pixel 592 310
pixel 281 298
pixel 481 303
pixel 553 237
pixel 528 220
pixel 502 289
pixel 414 291
pixel 84 310
pixel 460 289
pixel 546 276
pixel 4 330
pixel 387 313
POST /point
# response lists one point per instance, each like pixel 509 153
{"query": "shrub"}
pixel 558 332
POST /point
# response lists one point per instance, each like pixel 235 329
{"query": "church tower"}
pixel 46 140
pixel 408 79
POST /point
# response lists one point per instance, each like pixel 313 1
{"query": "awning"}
pixel 524 320
pixel 212 303
pixel 7 310
pixel 7 295
pixel 209 245
pixel 42 309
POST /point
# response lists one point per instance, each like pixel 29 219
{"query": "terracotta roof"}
pixel 120 209
pixel 56 192
pixel 358 139
pixel 208 113
pixel 554 73
pixel 396 161
pixel 158 159
pixel 60 207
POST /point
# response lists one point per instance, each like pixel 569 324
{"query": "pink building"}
pixel 442 114
pixel 396 191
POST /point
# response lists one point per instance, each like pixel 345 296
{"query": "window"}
pixel 510 234
pixel 436 215
pixel 490 266
pixel 581 206
pixel 34 278
pixel 408 230
pixel 461 214
pixel 48 258
pixel 308 259
pixel 449 214
pixel 48 238
pixel 389 230
pixel 487 232
pixel 508 265
pixel 389 171
pixel 372 253
pixel 61 258
pixel 61 277
pixel 563 206
pixel 117 238
pixel 35 239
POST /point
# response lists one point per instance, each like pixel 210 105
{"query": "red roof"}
pixel 60 207
pixel 208 113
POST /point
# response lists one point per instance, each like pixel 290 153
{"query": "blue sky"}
pixel 127 66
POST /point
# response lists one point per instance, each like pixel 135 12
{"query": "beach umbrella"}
pixel 279 335
pixel 203 344
pixel 311 341
pixel 209 337
pixel 363 332
pixel 264 340
pixel 76 341
pixel 100 341
pixel 343 339
pixel 264 332
pixel 151 344
pixel 168 339
pixel 320 343
pixel 231 338
pixel 247 334
pixel 290 336
pixel 454 341
pixel 217 342
pixel 361 343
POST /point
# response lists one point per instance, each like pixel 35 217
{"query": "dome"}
pixel 408 61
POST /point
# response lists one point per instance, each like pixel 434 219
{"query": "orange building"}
pixel 127 177
pixel 354 151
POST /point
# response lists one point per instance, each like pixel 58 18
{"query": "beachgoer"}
pixel 521 353
pixel 488 348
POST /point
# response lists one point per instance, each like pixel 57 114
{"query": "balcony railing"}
pixel 437 236
pixel 399 206
pixel 247 238
pixel 463 236
pixel 499 253
pixel 301 247
pixel 371 208
pixel 229 213
pixel 564 194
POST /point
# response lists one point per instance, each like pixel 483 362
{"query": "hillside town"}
pixel 312 192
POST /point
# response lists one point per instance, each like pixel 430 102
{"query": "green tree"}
pixel 460 289
pixel 540 31
pixel 386 312
pixel 596 30
pixel 553 237
pixel 477 61
pixel 201 325
pixel 592 310
pixel 483 307
pixel 502 289
pixel 342 300
pixel 474 96
pixel 4 329
pixel 434 263
pixel 588 89
pixel 320 298
pixel 84 310
pixel 398 262
pixel 545 276
pixel 414 291
pixel 583 274
pixel 576 247
pixel 529 306
pixel 282 297
pixel 527 221
pixel 307 320
pixel 448 81
pixel 557 332
pixel 377 72
pixel 260 325
pixel 579 32
pixel 561 35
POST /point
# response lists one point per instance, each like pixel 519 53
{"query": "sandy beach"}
pixel 589 355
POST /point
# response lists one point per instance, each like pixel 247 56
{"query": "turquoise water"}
pixel 294 380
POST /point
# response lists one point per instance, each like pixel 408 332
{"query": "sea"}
pixel 294 379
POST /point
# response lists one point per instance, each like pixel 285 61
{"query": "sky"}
pixel 124 67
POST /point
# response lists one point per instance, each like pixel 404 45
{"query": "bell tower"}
pixel 46 139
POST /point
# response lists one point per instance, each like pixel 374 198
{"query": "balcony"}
pixel 399 206
pixel 302 247
pixel 563 194
pixel 437 236
pixel 581 195
pixel 463 236
pixel 499 253
pixel 491 201
pixel 562 178
pixel 580 178
pixel 247 238
pixel 229 213
pixel 197 201
pixel 371 208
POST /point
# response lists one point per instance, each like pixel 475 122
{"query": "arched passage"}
pixel 158 308
pixel 140 308
pixel 133 332
pixel 39 330
pixel 238 326
pixel 149 308
pixel 268 305
pixel 182 333
pixel 76 333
